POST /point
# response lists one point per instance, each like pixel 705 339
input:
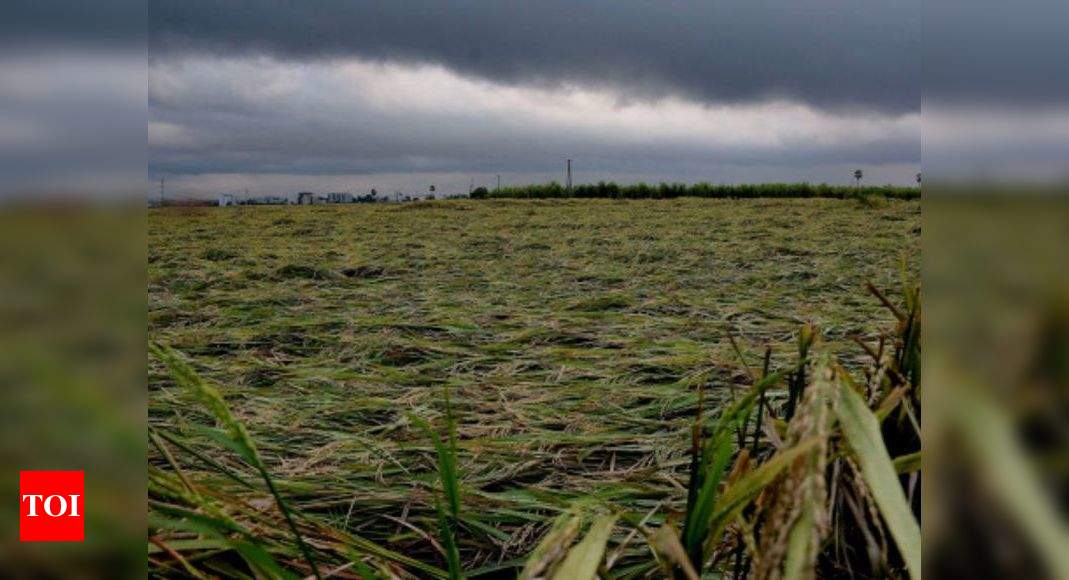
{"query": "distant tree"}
pixel 479 193
pixel 918 178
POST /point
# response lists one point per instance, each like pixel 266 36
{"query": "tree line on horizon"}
pixel 612 190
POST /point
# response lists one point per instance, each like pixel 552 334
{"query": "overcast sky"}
pixel 278 96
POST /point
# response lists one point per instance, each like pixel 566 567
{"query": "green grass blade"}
pixel 908 463
pixel 450 480
pixel 210 397
pixel 716 457
pixel 187 378
pixel 746 488
pixel 695 528
pixel 553 545
pixel 447 459
pixel 862 432
pixel 992 442
pixel 583 559
pixel 666 543
pixel 452 553
pixel 226 532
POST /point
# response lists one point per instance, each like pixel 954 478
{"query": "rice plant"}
pixel 237 439
pixel 448 516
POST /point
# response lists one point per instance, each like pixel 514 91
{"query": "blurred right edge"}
pixel 996 282
pixel 997 322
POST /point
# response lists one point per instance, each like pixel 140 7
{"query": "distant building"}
pixel 340 197
pixel 306 198
pixel 226 199
pixel 267 200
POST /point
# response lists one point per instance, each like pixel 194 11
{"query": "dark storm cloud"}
pixel 310 146
pixel 72 97
pixel 1012 53
pixel 828 53
pixel 61 24
pixel 248 114
pixel 214 115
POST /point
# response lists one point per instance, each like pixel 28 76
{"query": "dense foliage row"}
pixel 613 190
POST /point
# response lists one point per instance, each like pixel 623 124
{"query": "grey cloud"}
pixel 387 146
pixel 828 53
pixel 210 129
pixel 57 24
pixel 992 51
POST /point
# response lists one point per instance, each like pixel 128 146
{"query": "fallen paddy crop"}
pixel 576 340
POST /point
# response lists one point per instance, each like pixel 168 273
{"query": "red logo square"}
pixel 51 506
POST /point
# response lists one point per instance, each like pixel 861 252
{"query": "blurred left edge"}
pixel 73 114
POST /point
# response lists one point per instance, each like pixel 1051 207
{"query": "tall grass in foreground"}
pixel 237 439
pixel 810 472
pixel 450 480
pixel 210 517
pixel 709 462
pixel 817 492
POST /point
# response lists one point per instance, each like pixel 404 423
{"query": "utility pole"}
pixel 568 180
pixel 161 191
pixel 499 182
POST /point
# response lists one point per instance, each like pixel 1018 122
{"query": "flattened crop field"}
pixel 568 334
